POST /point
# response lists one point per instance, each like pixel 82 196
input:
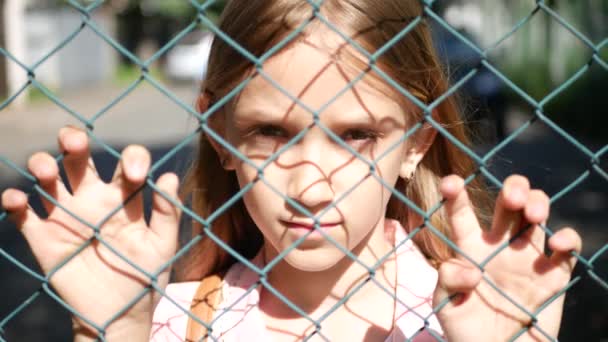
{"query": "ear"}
pixel 416 149
pixel 217 125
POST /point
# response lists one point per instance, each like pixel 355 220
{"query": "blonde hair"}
pixel 257 25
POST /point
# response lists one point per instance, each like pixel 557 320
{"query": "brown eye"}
pixel 359 134
pixel 271 131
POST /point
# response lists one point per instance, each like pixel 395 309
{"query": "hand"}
pixel 96 282
pixel 521 270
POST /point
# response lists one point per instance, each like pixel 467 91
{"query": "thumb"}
pixel 457 278
pixel 164 220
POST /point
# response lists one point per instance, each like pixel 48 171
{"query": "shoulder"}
pixel 170 319
pixel 415 274
pixel 238 313
pixel 410 258
pixel 416 282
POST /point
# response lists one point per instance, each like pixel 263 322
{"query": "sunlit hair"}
pixel 257 25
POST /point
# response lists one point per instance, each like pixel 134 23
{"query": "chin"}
pixel 315 259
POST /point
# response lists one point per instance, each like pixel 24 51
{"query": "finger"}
pixel 130 175
pixel 458 207
pixel 133 165
pixel 79 167
pixel 44 167
pixel 562 243
pixel 15 203
pixel 165 216
pixel 507 212
pixel 535 212
pixel 456 276
pixel 537 208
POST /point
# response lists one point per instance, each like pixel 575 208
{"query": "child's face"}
pixel 317 171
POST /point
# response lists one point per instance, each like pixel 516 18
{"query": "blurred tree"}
pixel 130 26
pixel 557 56
pixel 156 20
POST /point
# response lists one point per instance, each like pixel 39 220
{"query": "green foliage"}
pixel 125 74
pixel 35 95
pixel 179 9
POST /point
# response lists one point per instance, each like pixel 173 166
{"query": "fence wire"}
pixel 201 18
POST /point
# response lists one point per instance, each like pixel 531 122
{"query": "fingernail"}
pixel 559 240
pixel 71 142
pixel 45 172
pixel 517 195
pixel 137 170
pixel 19 197
pixel 537 209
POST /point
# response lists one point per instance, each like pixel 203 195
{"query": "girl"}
pixel 314 168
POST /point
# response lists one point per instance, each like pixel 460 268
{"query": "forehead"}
pixel 308 71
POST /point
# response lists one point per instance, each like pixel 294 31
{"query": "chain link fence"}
pixel 593 157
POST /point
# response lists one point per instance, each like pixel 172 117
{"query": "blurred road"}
pixel 147 117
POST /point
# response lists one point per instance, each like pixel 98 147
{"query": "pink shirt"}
pixel 239 318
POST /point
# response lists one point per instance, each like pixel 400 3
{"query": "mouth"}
pixel 310 225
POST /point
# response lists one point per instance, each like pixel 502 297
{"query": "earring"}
pixel 409 178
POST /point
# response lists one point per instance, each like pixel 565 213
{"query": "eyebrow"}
pixel 258 115
pixel 252 115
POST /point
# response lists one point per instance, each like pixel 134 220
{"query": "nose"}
pixel 310 187
pixel 310 166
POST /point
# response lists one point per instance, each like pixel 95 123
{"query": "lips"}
pixel 310 225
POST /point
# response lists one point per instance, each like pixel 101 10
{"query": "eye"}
pixel 270 131
pixel 359 134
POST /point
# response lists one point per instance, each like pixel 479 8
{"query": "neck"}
pixel 310 291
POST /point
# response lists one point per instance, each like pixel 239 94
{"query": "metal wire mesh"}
pixel 89 124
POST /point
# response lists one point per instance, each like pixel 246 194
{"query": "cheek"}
pixel 262 202
pixel 389 166
pixel 366 205
pixel 364 197
pixel 376 187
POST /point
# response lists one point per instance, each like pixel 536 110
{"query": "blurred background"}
pixel 73 71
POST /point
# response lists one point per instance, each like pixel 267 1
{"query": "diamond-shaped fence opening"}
pixel 529 140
